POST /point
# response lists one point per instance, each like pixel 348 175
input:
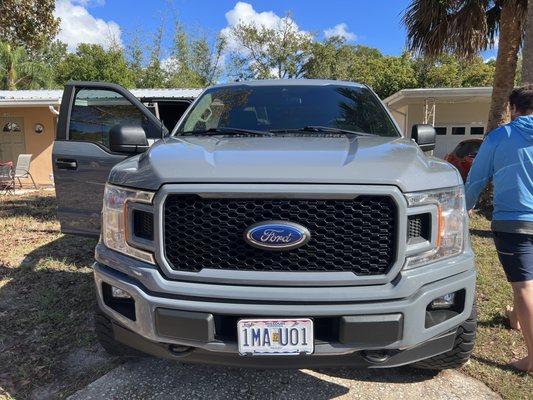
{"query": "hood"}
pixel 524 125
pixel 285 159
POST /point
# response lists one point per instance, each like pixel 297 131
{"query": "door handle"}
pixel 63 163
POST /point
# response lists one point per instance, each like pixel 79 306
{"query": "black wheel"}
pixel 104 334
pixel 461 351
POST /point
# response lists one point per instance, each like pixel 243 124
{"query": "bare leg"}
pixel 510 313
pixel 523 299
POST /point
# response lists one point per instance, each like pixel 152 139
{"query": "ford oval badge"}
pixel 277 235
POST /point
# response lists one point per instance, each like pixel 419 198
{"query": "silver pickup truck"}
pixel 281 223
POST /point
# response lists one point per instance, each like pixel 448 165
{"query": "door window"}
pixel 458 130
pixel 95 111
pixel 477 130
pixel 12 141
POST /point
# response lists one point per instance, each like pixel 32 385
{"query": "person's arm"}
pixel 480 172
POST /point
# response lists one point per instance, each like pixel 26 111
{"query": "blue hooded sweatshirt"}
pixel 506 157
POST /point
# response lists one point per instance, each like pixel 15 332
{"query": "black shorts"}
pixel 515 251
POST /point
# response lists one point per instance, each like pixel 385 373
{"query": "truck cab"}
pixel 283 223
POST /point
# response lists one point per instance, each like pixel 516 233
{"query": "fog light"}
pixel 446 301
pixel 118 293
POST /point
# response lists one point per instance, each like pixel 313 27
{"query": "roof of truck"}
pixel 290 82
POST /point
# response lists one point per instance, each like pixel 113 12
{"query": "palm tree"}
pixel 466 27
pixel 527 52
pixel 17 70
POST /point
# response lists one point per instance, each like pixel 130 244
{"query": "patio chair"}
pixel 7 179
pixel 22 169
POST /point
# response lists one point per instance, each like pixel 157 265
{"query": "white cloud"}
pixel 340 30
pixel 79 26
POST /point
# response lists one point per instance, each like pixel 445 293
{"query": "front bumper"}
pixel 407 296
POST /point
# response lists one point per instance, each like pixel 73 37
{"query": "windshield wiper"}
pixel 321 129
pixel 228 130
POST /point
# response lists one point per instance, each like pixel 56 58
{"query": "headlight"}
pixel 114 220
pixel 451 223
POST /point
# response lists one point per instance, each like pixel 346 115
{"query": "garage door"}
pixel 11 138
pixel 449 136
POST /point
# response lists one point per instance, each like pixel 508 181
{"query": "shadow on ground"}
pixel 46 302
pixel 151 378
pixel 481 233
pixel 159 379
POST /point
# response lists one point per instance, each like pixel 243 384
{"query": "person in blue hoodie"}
pixel 506 158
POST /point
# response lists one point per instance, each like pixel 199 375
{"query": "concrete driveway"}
pixel 159 379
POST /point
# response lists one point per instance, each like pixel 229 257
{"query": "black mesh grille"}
pixel 346 235
pixel 143 224
pixel 418 226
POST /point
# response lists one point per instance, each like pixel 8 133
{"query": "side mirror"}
pixel 127 139
pixel 424 136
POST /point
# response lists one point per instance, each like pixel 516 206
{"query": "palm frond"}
pixel 468 29
pixel 462 27
pixel 427 23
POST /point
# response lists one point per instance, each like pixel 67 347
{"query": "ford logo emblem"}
pixel 277 235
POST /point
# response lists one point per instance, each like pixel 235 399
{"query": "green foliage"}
pixel 19 71
pixel 256 52
pixel 28 23
pixel 449 71
pixel 91 62
pixel 153 75
pixel 334 59
pixel 193 62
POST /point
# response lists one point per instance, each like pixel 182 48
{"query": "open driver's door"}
pixel 81 157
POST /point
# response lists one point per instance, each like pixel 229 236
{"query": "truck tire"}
pixel 461 351
pixel 104 334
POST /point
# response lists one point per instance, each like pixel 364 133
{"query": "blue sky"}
pixel 375 23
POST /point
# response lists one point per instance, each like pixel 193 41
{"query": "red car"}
pixel 463 155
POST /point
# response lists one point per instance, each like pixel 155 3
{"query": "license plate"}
pixel 275 336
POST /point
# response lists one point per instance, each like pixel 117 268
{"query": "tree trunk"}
pixel 527 52
pixel 506 61
pixel 11 77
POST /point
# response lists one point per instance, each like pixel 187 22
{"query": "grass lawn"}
pixel 496 344
pixel 47 344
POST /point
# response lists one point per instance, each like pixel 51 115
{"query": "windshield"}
pixel 278 108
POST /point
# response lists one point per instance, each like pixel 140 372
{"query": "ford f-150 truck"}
pixel 282 223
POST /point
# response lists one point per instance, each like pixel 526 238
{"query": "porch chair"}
pixel 22 169
pixel 7 179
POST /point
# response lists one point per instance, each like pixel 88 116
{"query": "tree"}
pixel 135 59
pixel 28 23
pixel 153 75
pixel 18 71
pixel 334 59
pixel 262 53
pixel 437 27
pixel 91 62
pixel 449 71
pixel 50 56
pixel 527 52
pixel 193 62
